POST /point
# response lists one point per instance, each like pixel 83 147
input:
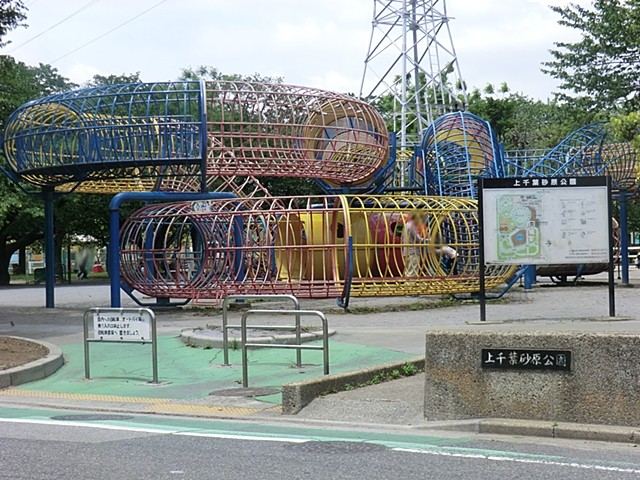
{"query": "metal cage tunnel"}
pixel 170 132
pixel 311 247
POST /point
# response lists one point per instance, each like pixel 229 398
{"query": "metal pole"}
pixel 612 298
pixel 624 238
pixel 202 106
pixel 529 277
pixel 403 98
pixel 298 335
pixel 154 343
pixel 87 373
pixel 49 248
pixel 113 255
pixel 243 330
pixel 483 302
pixel 225 335
pixel 325 342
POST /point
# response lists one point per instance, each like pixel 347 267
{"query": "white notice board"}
pixel 121 325
pixel 529 221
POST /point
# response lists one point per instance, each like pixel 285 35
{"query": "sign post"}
pixel 120 325
pixel 482 260
pixel 545 220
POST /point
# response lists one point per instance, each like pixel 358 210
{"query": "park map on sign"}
pixel 518 229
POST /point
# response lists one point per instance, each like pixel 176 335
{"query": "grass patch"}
pixel 406 370
pixel 403 307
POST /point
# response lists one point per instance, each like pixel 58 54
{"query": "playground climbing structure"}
pixel 200 137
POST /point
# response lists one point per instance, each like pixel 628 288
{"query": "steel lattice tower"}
pixel 412 58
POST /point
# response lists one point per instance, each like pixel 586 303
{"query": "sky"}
pixel 317 43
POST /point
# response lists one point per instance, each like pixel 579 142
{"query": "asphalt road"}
pixel 51 445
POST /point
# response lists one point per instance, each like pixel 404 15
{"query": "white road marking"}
pixel 497 458
pixel 242 437
pixel 159 431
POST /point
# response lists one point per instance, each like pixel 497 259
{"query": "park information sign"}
pixel 120 325
pixel 530 221
pixel 533 221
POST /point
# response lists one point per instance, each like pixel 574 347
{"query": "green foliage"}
pixel 522 123
pixel 20 83
pixel 99 80
pixel 409 370
pixel 626 128
pixel 206 72
pixel 21 223
pixel 12 14
pixel 406 370
pixel 290 187
pixel 602 69
pixel 21 215
pixel 83 214
pixel 49 81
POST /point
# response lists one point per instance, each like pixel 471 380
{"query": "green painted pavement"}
pixel 188 372
pixel 186 424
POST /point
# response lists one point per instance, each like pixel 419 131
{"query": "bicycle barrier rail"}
pixel 226 326
pixel 298 313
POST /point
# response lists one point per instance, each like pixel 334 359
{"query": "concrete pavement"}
pixel 364 339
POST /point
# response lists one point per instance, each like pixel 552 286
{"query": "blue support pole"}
pixel 113 249
pixel 49 248
pixel 529 277
pixel 202 107
pixel 624 238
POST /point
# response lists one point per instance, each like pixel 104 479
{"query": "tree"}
pixel 99 80
pixel 521 122
pixel 48 81
pixel 11 16
pixel 21 215
pixel 602 69
pixel 21 223
pixel 207 72
pixel 626 128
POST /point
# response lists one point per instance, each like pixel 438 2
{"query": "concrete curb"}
pixel 195 337
pixel 297 395
pixel 573 431
pixel 36 370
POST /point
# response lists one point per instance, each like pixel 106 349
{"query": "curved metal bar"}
pixel 458 148
pixel 114 254
pixel 111 134
pixel 589 151
pixel 226 326
pixel 310 247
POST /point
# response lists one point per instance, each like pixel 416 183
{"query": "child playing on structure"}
pixel 414 235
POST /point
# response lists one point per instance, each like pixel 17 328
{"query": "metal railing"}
pixel 226 326
pixel 298 313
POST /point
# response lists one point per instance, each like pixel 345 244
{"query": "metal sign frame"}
pixel 145 314
pixel 532 185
